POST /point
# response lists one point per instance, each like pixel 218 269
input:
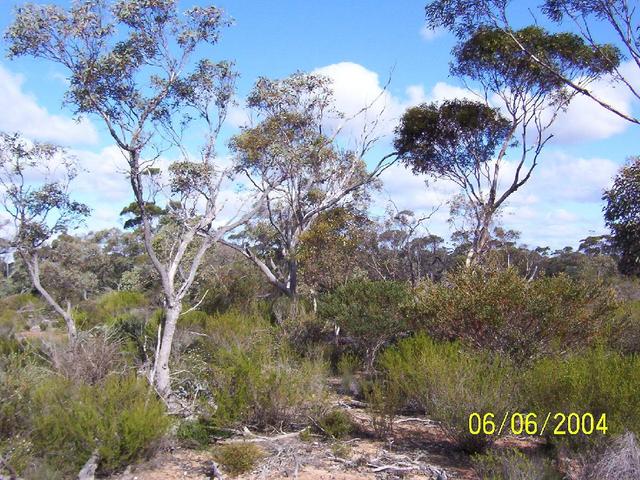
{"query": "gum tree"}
pixel 133 64
pixel 469 142
pixel 590 19
pixel 622 216
pixel 35 179
pixel 300 165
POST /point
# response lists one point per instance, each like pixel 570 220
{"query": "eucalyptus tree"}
pixel 134 65
pixel 469 142
pixel 35 179
pixel 622 216
pixel 614 20
pixel 301 165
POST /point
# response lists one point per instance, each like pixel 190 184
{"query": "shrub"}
pixel 194 433
pixel 513 465
pixel 336 424
pixel 368 313
pixel 449 384
pixel 251 375
pixel 596 381
pixel 347 367
pixel 18 376
pixel 238 458
pixel 18 312
pixel 626 337
pixel 109 307
pixel 384 400
pixel 504 312
pixel 90 359
pixel 121 419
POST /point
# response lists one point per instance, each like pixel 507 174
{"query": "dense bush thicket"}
pixel 50 425
pixel 449 383
pixel 504 312
pixel 477 341
pixel 368 314
pixel 596 381
pixel 250 373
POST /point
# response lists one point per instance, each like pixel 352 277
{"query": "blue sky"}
pixel 358 44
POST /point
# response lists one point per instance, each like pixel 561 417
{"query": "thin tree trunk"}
pixel 162 375
pixel 33 267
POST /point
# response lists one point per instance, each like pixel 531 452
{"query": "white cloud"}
pixel 559 205
pixel 429 34
pixel 356 87
pixel 22 113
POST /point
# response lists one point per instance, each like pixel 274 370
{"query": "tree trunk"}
pixel 480 240
pixel 162 377
pixel 33 267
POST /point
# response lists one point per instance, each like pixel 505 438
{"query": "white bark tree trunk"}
pixel 162 377
pixel 33 267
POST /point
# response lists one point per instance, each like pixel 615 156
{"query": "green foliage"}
pixel 195 433
pixel 336 424
pixel 456 136
pixel 121 419
pixel 369 313
pixel 347 367
pixel 449 383
pixel 18 312
pixel 504 312
pixel 513 465
pixel 252 376
pixel 238 458
pixel 490 53
pixel 385 398
pixel 596 381
pixel 626 336
pixel 622 216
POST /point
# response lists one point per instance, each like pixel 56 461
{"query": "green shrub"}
pixel 195 433
pixel 626 337
pixel 597 382
pixel 384 400
pixel 368 313
pixel 18 377
pixel 121 419
pixel 513 465
pixel 347 367
pixel 238 458
pixel 109 307
pixel 252 376
pixel 506 313
pixel 19 312
pixel 336 424
pixel 449 384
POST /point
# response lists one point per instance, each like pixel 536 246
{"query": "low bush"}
pixel 238 458
pixel 513 465
pixel 195 433
pixel 336 424
pixel 596 381
pixel 368 313
pixel 504 312
pixel 250 374
pixel 21 311
pixel 449 383
pixel 626 336
pixel 109 307
pixel 90 359
pixel 120 419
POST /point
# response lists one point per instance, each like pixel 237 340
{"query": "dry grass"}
pixel 620 461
